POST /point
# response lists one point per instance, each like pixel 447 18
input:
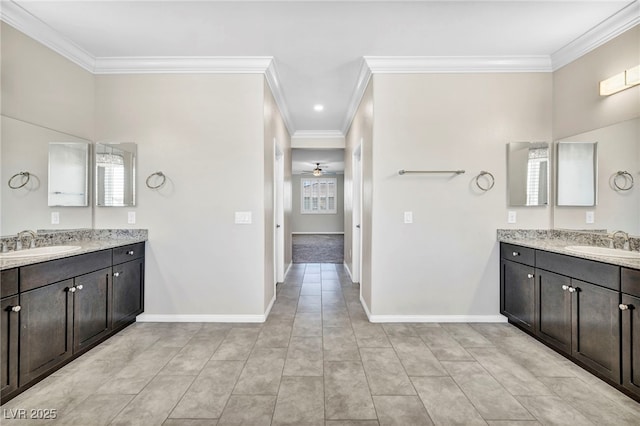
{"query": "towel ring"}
pixel 25 179
pixel 160 175
pixel 490 179
pixel 628 180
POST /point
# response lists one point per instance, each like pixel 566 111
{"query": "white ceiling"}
pixel 318 46
pixel 304 160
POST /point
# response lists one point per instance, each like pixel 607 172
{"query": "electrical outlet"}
pixel 131 218
pixel 590 217
pixel 55 218
pixel 511 216
pixel 243 218
pixel 408 217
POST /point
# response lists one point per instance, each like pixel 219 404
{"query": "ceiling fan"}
pixel 318 171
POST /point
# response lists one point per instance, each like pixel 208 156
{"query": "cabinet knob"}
pixel 72 289
pixel 18 307
pixel 130 252
pixel 572 290
pixel 79 287
pixel 529 275
pixel 116 274
pixel 623 307
pixel 515 253
pixel 565 287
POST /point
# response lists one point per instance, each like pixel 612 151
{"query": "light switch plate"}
pixel 131 218
pixel 590 217
pixel 511 216
pixel 55 218
pixel 408 217
pixel 243 218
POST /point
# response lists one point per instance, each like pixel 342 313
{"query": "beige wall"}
pixel 276 132
pixel 577 104
pixel 446 262
pixel 45 98
pixel 317 222
pixel 43 88
pixel 360 134
pixel 206 133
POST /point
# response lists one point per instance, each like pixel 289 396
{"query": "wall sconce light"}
pixel 621 81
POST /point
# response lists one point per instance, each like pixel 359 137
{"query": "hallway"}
pixel 318 361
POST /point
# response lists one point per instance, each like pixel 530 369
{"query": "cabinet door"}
pixel 46 329
pixel 518 293
pixel 91 308
pixel 554 310
pixel 596 328
pixel 128 291
pixel 631 343
pixel 9 337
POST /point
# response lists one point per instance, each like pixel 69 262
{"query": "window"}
pixel 318 195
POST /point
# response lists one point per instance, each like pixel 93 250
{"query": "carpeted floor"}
pixel 318 248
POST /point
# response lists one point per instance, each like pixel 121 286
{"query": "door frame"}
pixel 356 215
pixel 278 213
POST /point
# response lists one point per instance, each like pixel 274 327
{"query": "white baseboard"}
pixel 436 318
pixel 365 307
pixel 200 318
pixel 266 313
pixel 317 233
pixel 348 270
pixel 286 270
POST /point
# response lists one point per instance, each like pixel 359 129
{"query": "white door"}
pixel 278 213
pixel 356 244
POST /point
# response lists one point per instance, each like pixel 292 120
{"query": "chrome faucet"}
pixel 625 244
pixel 32 234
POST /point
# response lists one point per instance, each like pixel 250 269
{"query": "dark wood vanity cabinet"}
pixel 91 308
pixel 554 310
pixel 517 285
pixel 65 307
pixel 46 329
pixel 128 291
pixel 9 330
pixel 577 311
pixel 630 309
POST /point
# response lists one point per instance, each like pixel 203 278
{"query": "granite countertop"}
pixel 557 242
pixel 88 241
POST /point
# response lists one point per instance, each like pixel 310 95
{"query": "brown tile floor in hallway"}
pixel 318 361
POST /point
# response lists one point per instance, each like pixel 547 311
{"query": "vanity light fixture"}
pixel 318 107
pixel 621 81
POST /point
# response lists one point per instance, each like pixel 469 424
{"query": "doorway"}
pixel 318 205
pixel 356 231
pixel 278 214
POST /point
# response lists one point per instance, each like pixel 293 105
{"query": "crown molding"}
pixel 607 30
pixel 273 80
pixel 182 65
pixel 457 64
pixel 318 134
pixel 364 76
pixel 23 21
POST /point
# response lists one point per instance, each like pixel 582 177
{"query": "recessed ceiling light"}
pixel 318 107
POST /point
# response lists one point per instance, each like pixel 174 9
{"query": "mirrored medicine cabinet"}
pixel 577 173
pixel 115 165
pixel 68 174
pixel 528 173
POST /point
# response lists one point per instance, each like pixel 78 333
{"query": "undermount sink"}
pixel 38 251
pixel 604 251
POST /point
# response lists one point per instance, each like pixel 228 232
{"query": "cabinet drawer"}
pixel 631 281
pixel 9 282
pixel 518 254
pixel 127 253
pixel 39 274
pixel 590 271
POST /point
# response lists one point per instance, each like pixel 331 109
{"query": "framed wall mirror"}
pixel 115 174
pixel 528 173
pixel 577 173
pixel 68 174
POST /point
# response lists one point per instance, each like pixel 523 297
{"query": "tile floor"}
pixel 318 361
